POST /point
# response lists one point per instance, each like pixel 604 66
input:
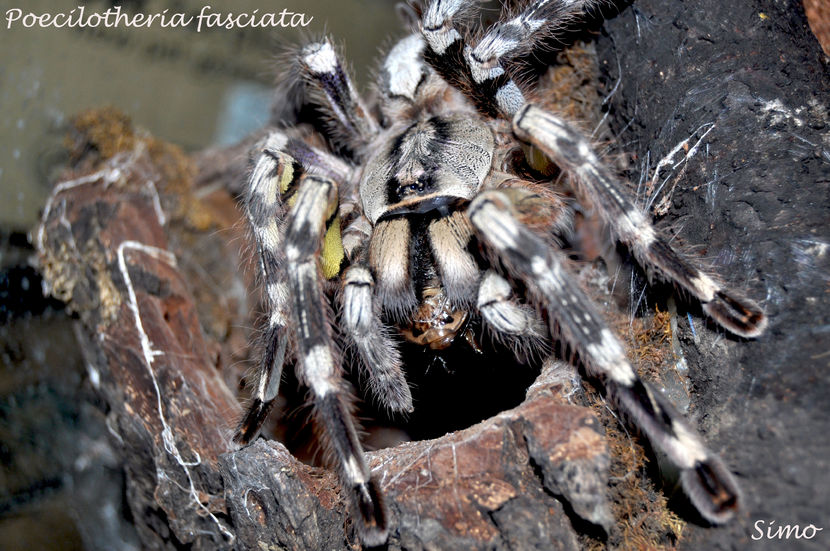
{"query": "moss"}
pixel 99 134
pixel 643 519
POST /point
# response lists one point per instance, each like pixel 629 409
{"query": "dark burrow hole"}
pixel 452 389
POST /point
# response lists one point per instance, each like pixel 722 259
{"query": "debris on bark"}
pixel 107 247
pixel 129 241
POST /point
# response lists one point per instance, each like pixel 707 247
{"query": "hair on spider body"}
pixel 424 230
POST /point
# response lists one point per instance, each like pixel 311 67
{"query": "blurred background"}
pixel 192 89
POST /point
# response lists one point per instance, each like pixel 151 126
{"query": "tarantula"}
pixel 417 221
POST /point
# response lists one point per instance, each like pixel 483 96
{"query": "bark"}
pixel 752 90
pixel 756 195
pixel 105 248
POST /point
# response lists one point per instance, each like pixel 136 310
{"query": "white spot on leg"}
pixel 405 67
pixel 686 446
pixel 704 287
pixel 354 471
pixel 277 293
pixel 509 98
pixel 269 237
pixel 277 299
pixel 318 368
pixel 357 301
pixel 499 310
pixel 493 288
pixel 539 265
pixel 277 318
pixel 500 227
pixel 320 58
pixel 275 142
pixel 441 39
pixel 608 357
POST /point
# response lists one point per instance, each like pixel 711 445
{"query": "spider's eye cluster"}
pixel 414 188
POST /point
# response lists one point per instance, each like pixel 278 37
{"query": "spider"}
pixel 415 221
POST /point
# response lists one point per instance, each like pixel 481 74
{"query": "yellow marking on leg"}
pixel 332 253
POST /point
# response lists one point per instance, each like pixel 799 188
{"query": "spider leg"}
pixel 272 171
pixel 402 73
pixel 566 146
pixel 323 70
pixel 273 180
pixel 707 482
pixel 314 160
pixel 449 237
pixel 516 324
pixel 520 34
pixel 445 54
pixel 515 37
pixel 318 367
pixel 388 252
pixel 378 352
pixel 478 71
pixel 409 87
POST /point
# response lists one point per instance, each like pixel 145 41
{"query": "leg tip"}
pixel 252 422
pixel 712 490
pixel 739 315
pixel 371 514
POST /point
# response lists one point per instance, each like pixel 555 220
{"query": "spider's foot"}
pixel 373 526
pixel 712 490
pixel 737 314
pixel 252 422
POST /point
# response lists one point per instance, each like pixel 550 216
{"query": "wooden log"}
pixel 111 247
pixel 105 249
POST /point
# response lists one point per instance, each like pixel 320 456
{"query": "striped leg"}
pixel 273 171
pixel 445 54
pixel 516 324
pixel 389 261
pixel 519 35
pixel 313 159
pixel 402 74
pixel 478 71
pixel 378 352
pixel 707 482
pixel 566 146
pixel 514 37
pixel 327 76
pixel 318 366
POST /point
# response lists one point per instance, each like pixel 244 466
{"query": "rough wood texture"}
pixel 489 486
pixel 104 250
pixel 757 194
pixel 758 198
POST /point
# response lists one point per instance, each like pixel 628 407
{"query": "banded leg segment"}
pixel 566 146
pixel 445 53
pixel 324 71
pixel 512 38
pixel 378 352
pixel 312 159
pixel 479 70
pixel 520 34
pixel 706 481
pixel 516 324
pixel 318 365
pixel 403 77
pixel 272 173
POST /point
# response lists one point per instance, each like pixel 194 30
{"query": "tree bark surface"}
pixel 743 86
